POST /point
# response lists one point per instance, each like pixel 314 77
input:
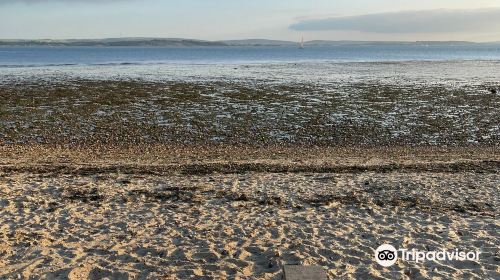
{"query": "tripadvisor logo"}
pixel 387 255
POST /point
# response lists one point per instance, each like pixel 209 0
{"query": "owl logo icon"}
pixel 386 255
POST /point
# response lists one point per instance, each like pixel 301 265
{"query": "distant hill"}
pixel 258 42
pixel 114 42
pixel 453 43
pixel 343 43
pixel 180 42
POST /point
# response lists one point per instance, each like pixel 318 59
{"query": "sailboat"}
pixel 301 45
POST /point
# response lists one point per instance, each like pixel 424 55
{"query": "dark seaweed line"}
pixel 367 199
pixel 487 166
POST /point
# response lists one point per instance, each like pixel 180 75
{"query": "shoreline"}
pixel 171 159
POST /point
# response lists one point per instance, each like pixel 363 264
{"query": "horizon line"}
pixel 246 39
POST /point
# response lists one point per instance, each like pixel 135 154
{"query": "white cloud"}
pixel 426 21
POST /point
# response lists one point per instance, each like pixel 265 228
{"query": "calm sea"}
pixel 463 64
pixel 60 56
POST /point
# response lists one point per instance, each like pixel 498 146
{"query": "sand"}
pixel 243 214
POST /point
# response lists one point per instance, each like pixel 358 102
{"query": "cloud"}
pixel 426 21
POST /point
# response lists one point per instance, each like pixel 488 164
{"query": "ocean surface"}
pixel 60 56
pixel 384 63
pixel 316 64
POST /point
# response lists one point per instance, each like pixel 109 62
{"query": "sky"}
pixel 370 20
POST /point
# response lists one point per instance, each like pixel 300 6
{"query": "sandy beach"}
pixel 242 213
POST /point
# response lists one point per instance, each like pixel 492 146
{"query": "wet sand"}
pixel 338 114
pixel 225 212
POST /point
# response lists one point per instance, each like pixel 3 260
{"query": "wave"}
pixel 36 65
pixel 245 62
pixel 118 64
pixel 70 64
